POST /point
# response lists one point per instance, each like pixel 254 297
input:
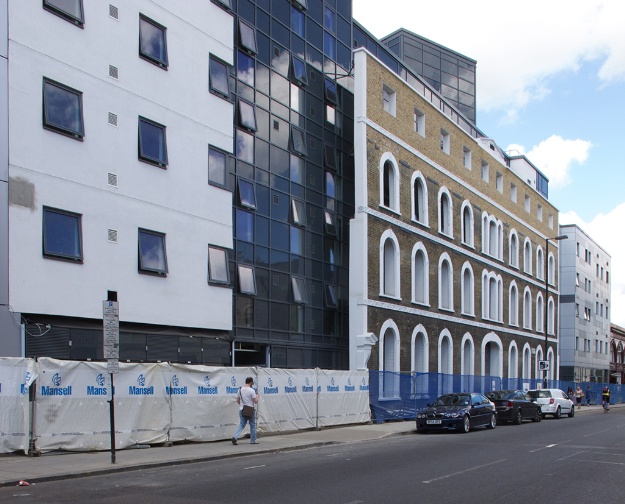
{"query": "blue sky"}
pixel 551 85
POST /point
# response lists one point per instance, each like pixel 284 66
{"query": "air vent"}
pixel 113 12
pixel 112 179
pixel 312 143
pixel 112 235
pixel 113 72
pixel 113 119
pixel 276 125
pixel 276 199
pixel 275 280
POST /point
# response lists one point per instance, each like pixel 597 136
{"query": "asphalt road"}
pixel 572 460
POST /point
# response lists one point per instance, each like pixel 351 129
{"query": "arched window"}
pixel 389 359
pixel 445 224
pixel 419 199
pixel 492 355
pixel 551 268
pixel 389 182
pixel 552 364
pixel 467 363
pixel 420 350
pixel 514 249
pixel 540 265
pixel 527 256
pixel 420 275
pixel 539 356
pixel 467 289
pixel 513 302
pixel 467 224
pixel 492 236
pixel 540 309
pixel 527 362
pixel 527 309
pixel 445 283
pixel 492 296
pixel 445 353
pixel 551 316
pixel 513 361
pixel 389 265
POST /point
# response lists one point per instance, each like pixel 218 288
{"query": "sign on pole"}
pixel 110 319
pixel 543 365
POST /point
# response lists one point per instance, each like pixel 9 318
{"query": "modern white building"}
pixel 108 112
pixel 585 270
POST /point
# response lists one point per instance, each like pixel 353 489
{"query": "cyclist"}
pixel 605 397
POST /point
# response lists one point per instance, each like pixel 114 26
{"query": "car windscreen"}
pixel 539 394
pixel 500 394
pixel 452 400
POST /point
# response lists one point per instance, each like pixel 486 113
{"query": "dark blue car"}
pixel 457 412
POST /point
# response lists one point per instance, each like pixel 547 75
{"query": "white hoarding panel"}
pixel 343 397
pixel 16 376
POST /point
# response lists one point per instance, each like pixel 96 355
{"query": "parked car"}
pixel 553 402
pixel 460 412
pixel 515 406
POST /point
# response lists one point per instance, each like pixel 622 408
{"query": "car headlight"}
pixel 420 415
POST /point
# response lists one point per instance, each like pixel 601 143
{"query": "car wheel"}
pixel 572 412
pixel 466 424
pixel 558 413
pixel 493 422
pixel 519 418
pixel 538 417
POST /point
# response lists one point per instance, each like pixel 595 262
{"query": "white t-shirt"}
pixel 247 397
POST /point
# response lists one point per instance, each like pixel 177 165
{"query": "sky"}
pixel 550 85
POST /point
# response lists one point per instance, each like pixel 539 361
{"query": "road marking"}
pixel 597 432
pixel 601 462
pixel 255 467
pixel 569 456
pixel 334 455
pixel 465 471
pixel 549 446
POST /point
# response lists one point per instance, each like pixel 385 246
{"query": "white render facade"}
pixel 585 270
pixel 101 180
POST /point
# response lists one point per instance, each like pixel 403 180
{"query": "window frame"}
pixel 300 147
pixel 330 91
pixel 252 272
pixel 212 148
pixel 244 40
pixel 79 258
pixel 244 196
pixel 62 13
pixel 163 162
pixel 244 121
pixel 161 62
pixel 211 278
pixel 300 78
pixel 300 293
pixel 212 87
pixel 47 124
pixel 147 270
pixel 298 212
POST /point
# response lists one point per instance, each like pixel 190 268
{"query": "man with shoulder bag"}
pixel 246 399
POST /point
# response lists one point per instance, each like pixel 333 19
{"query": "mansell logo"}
pixel 175 388
pixel 141 389
pixel 270 389
pixel 100 390
pixel 332 387
pixel 307 386
pixel 363 385
pixel 23 386
pixel 233 389
pixel 290 389
pixel 56 389
pixel 207 389
pixel 349 387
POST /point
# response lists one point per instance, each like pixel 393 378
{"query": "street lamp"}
pixel 546 300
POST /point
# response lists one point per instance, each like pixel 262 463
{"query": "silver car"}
pixel 553 402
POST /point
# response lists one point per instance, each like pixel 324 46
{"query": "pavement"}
pixel 58 465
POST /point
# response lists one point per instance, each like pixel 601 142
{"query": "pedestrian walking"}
pixel 579 394
pixel 570 393
pixel 588 393
pixel 246 399
pixel 605 399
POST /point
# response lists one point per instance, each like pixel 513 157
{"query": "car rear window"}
pixel 539 394
pixel 500 394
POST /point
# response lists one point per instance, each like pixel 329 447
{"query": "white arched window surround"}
pixel 551 316
pixel 389 324
pixel 424 365
pixel 445 283
pixel 467 224
pixel 540 263
pixel 539 357
pixel 420 275
pixel 551 360
pixel 513 360
pixel 527 308
pixel 389 384
pixel 445 212
pixel 467 289
pixel 497 361
pixel 393 182
pixel 467 359
pixel 551 268
pixel 527 256
pixel 527 362
pixel 492 236
pixel 389 260
pixel 513 248
pixel 513 304
pixel 540 313
pixel 492 296
pixel 419 195
pixel 447 366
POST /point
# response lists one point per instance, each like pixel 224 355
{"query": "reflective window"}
pixel 330 295
pixel 62 109
pixel 330 91
pixel 152 41
pixel 71 10
pixel 299 71
pixel 244 146
pixel 330 223
pixel 247 115
pixel 247 280
pixel 62 234
pixel 329 19
pixel 330 185
pixel 330 157
pixel 152 253
pixel 247 37
pixel 298 209
pixel 300 294
pixel 329 45
pixel 152 142
pixel 225 3
pixel 216 167
pixel 218 266
pixel 244 226
pixel 298 141
pixel 245 68
pixel 330 115
pixel 218 77
pixel 298 22
pixel 247 196
pixel 303 4
pixel 297 241
pixel 297 169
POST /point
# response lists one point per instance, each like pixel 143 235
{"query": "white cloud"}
pixel 517 48
pixel 604 229
pixel 555 157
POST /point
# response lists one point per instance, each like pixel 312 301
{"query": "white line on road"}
pixel 255 467
pixel 465 471
pixel 548 446
pixel 598 432
pixel 334 455
pixel 569 456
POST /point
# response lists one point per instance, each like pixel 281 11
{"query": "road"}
pixel 579 460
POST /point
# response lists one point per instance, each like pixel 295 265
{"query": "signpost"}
pixel 110 342
pixel 543 365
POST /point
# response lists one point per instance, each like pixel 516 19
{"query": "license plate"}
pixel 433 422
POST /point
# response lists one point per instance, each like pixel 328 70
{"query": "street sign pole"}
pixel 112 420
pixel 110 341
